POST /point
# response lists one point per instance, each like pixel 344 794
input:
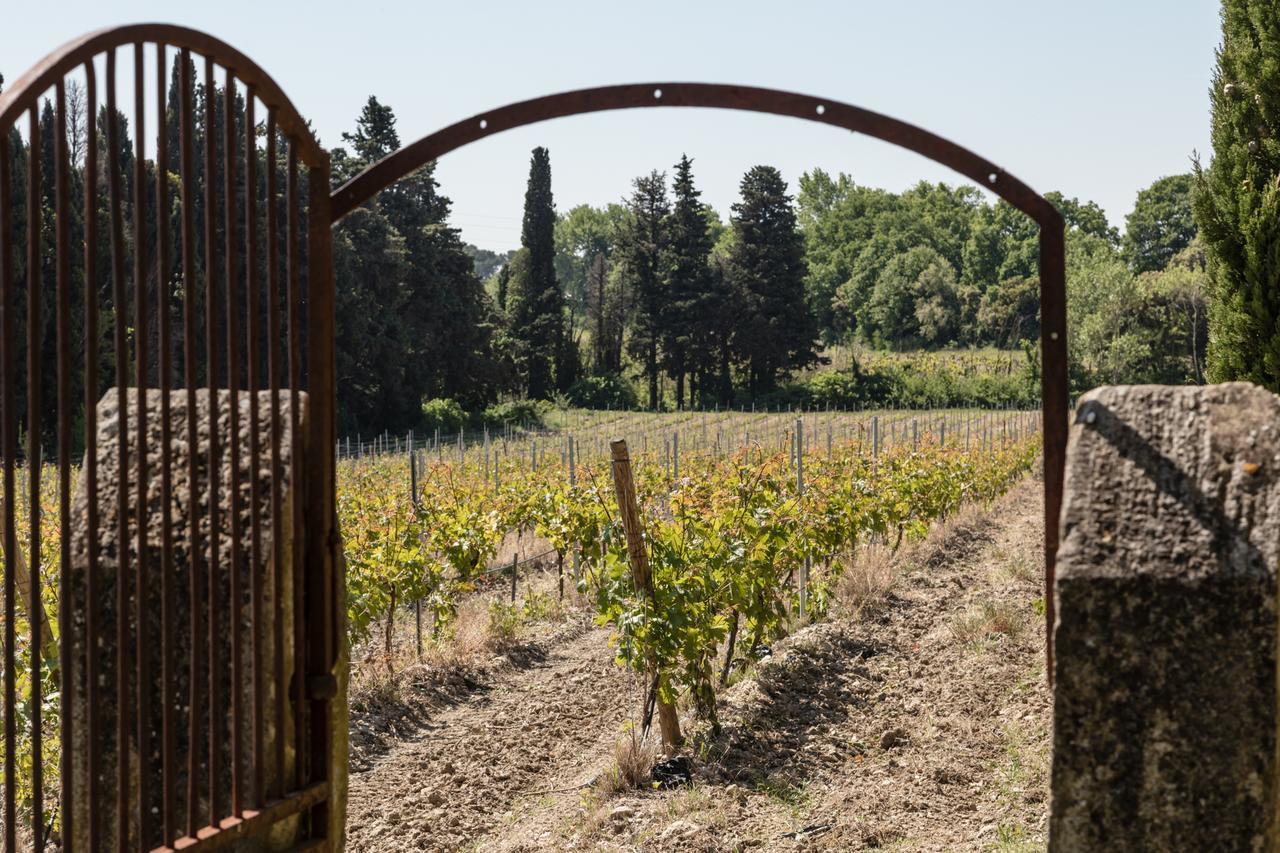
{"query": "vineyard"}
pixel 748 520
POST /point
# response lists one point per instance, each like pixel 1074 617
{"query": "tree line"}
pixel 658 289
pixel 656 301
pixel 658 282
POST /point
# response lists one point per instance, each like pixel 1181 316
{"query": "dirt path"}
pixel 544 723
pixel 920 725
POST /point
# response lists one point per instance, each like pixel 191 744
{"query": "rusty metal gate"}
pixel 188 556
pixel 179 696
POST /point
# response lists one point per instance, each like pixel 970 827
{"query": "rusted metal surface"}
pixel 1053 314
pixel 174 739
pixel 8 344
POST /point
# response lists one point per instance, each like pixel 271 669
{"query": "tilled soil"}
pixel 923 724
pixel 534 724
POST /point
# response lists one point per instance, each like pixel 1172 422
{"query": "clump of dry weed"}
pixel 868 576
pixel 990 618
pixel 633 758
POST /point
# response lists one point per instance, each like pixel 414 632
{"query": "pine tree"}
pixel 777 330
pixel 1237 198
pixel 644 252
pixel 536 305
pixel 689 314
pixel 413 319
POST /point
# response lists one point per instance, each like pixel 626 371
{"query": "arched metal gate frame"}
pixel 1053 297
pixel 233 727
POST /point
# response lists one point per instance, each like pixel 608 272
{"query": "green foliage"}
pixel 442 414
pixel 1127 328
pixel 605 391
pixel 694 309
pixel 486 263
pixel 915 301
pixel 524 413
pixel 643 251
pixel 1237 197
pixel 727 542
pixel 413 319
pixel 919 381
pixel 1161 224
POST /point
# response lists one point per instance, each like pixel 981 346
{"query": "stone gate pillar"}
pixel 1165 678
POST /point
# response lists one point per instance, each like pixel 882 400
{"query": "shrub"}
pixel 443 414
pixel 606 391
pixel 524 413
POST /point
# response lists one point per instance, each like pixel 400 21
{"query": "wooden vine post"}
pixel 638 555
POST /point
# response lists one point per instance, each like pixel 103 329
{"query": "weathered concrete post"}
pixel 1165 677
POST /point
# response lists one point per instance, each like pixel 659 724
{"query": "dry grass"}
pixel 374 685
pixel 1019 568
pixel 987 619
pixel 868 576
pixel 633 758
pixel 871 573
pixel 953 538
pixel 485 625
pixel 469 637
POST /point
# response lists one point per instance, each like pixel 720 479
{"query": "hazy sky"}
pixel 1095 98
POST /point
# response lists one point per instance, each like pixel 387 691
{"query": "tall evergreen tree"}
pixel 689 317
pixel 536 305
pixel 777 329
pixel 1237 198
pixel 414 321
pixel 643 247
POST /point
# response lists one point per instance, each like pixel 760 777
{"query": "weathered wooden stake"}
pixel 637 554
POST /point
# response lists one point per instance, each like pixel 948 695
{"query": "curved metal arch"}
pixel 45 74
pixel 1053 307
pixel 394 166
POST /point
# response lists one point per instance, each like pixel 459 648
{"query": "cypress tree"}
pixel 689 314
pixel 1237 198
pixel 644 252
pixel 767 267
pixel 536 304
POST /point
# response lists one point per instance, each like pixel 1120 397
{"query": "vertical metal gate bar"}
pixel 295 462
pixel 65 664
pixel 168 695
pixel 91 347
pixel 10 420
pixel 142 581
pixel 254 301
pixel 1054 397
pixel 216 726
pixel 120 312
pixel 233 392
pixel 322 502
pixel 35 464
pixel 186 139
pixel 273 379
